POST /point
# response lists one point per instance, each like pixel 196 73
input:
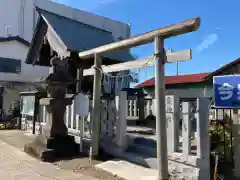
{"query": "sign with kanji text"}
pixel 169 102
pixel 226 91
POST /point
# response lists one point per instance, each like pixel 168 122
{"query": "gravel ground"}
pixel 83 166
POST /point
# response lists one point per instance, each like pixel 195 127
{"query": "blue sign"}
pixel 226 91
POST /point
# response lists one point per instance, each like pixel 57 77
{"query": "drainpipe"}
pixel 34 15
pixel 21 26
pixel 177 68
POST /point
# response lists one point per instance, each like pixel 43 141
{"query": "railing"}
pixel 150 105
pixel 133 107
pixel 113 118
pixel 188 152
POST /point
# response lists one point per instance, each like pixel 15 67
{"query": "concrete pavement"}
pixel 17 165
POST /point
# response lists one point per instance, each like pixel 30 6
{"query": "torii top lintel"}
pixel 148 37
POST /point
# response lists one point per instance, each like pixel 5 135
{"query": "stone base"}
pixel 53 148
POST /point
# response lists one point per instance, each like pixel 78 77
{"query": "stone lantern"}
pixel 54 142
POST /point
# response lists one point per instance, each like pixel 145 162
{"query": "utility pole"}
pixel 177 63
pixel 177 68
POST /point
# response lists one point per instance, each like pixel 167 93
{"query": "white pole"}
pixel 203 139
pixel 82 128
pixel 186 129
pixel 161 129
pixel 121 128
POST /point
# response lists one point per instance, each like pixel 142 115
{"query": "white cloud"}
pixel 209 40
pixel 89 5
pixel 106 1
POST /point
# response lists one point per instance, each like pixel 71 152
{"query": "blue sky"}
pixel 216 43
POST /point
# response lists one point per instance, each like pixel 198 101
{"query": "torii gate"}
pixel 158 36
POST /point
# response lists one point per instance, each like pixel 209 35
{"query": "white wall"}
pixel 16 50
pixel 185 92
pixel 9 16
pixel 191 92
pixel 22 20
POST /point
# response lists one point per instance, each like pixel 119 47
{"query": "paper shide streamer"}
pixel 114 84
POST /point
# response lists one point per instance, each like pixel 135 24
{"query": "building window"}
pixel 8 65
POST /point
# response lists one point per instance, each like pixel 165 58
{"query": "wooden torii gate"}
pixel 158 36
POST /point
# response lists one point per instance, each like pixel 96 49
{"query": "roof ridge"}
pixel 222 68
pixel 90 13
pixel 40 10
pixel 176 79
pixel 188 74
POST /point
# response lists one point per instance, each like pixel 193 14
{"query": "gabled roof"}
pixel 180 79
pixel 73 36
pixel 15 38
pixel 220 70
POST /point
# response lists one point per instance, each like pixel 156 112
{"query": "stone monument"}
pixel 54 142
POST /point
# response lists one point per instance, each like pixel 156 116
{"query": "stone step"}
pixel 142 150
pixel 143 156
pixel 130 171
pixel 147 146
pixel 145 141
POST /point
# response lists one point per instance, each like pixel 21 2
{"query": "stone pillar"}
pixel 186 129
pixel 172 116
pixel 121 125
pixel 55 125
pixel 141 108
pixel 236 142
pixel 203 138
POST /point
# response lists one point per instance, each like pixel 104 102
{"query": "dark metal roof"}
pixel 15 38
pixel 78 36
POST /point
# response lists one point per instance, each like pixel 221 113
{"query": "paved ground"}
pixel 128 170
pixel 11 147
pixel 17 165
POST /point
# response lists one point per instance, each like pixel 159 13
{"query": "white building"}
pixel 17 23
pixel 19 18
